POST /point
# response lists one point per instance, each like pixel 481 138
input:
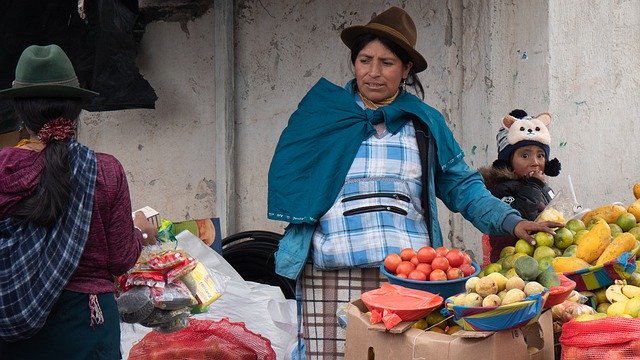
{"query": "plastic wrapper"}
pixel 135 305
pixel 564 206
pixel 165 233
pixel 202 284
pixel 576 297
pixel 173 296
pixel 181 269
pixel 568 310
pixel 177 323
pixel 159 317
pixel 166 259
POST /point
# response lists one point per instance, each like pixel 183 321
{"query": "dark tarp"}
pixel 101 47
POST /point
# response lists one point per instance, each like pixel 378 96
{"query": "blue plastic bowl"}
pixel 444 288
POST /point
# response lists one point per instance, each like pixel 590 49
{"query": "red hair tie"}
pixel 60 129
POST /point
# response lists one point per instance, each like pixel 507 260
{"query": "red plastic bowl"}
pixel 408 304
pixel 558 294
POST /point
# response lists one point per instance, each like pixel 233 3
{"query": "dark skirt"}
pixel 68 333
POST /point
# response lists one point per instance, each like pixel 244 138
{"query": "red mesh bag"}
pixel 204 339
pixel 611 338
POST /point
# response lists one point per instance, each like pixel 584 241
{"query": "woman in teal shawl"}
pixel 356 174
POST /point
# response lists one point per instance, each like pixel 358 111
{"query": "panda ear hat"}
pixel 520 129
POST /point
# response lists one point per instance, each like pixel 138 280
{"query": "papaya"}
pixel 634 208
pixel 568 264
pixel 526 268
pixel 622 243
pixel 607 212
pixel 594 242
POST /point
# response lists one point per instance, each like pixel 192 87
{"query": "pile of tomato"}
pixel 429 264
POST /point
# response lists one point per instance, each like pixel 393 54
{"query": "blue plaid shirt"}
pixel 378 209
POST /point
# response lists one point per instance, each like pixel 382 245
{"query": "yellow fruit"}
pixel 514 283
pixel 453 329
pixel 568 264
pixel 601 296
pixel 575 225
pixel 491 268
pixel 615 230
pixel 437 319
pixel 513 296
pixel 636 190
pixel 632 307
pixel 608 212
pixel 437 329
pixel 486 286
pixel 420 324
pixel 523 246
pixel 542 252
pixel 616 309
pixel 635 231
pixel 579 235
pixel 563 238
pixel 634 208
pixel 631 291
pixel 543 239
pixel 594 242
pixel 500 280
pixel 602 308
pixel 506 251
pixel 491 300
pixel 621 243
pixel 626 221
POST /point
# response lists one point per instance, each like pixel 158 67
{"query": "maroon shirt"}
pixel 113 245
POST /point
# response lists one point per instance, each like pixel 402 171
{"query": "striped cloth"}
pixel 323 294
pixel 36 262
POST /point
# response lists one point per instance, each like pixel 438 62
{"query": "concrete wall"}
pixel 576 59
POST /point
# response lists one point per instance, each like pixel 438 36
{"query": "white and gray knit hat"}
pixel 519 129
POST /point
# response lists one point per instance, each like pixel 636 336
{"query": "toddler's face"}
pixel 528 161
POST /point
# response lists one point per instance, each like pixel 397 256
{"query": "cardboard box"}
pixel 366 341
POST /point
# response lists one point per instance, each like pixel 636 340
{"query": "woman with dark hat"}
pixel 356 174
pixel 65 223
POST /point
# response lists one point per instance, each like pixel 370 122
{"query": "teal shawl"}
pixel 316 149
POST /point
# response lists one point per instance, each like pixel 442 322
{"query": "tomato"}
pixel 414 260
pixel 438 275
pixel 417 275
pixel 467 258
pixel 455 257
pixel 454 273
pixel 402 276
pixel 467 269
pixel 405 267
pixel 425 268
pixel 391 262
pixel 440 262
pixel 426 254
pixel 442 250
pixel 407 253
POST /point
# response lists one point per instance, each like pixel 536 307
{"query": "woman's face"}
pixel 528 159
pixel 379 71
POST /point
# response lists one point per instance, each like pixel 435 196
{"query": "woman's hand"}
pixel 141 222
pixel 525 228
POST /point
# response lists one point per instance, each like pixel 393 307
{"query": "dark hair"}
pixel 51 199
pixel 364 39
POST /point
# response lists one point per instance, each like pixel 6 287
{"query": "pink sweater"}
pixel 113 245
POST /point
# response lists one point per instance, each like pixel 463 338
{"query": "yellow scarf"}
pixel 374 105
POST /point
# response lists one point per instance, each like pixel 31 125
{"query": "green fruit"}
pixel 508 250
pixel 563 238
pixel 543 239
pixel 542 252
pixel 570 251
pixel 544 263
pixel 575 225
pixel 557 251
pixel 548 279
pixel 523 246
pixel 491 268
pixel 635 231
pixel 615 230
pixel 579 234
pixel 626 221
pixel 527 268
pixel 510 260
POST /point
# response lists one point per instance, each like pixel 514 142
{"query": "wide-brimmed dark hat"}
pixel 45 71
pixel 394 24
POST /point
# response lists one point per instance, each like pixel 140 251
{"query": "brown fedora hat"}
pixel 395 24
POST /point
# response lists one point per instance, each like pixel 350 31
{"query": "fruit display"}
pixel 496 289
